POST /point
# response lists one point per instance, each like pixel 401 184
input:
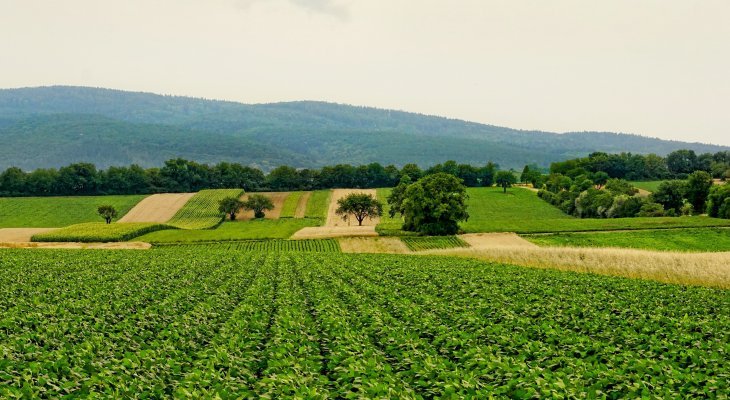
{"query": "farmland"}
pixel 56 212
pixel 418 243
pixel 318 204
pixel 239 230
pixel 99 232
pixel 321 245
pixel 649 186
pixel 201 211
pixel 205 323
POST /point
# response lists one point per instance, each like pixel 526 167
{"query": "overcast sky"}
pixel 657 68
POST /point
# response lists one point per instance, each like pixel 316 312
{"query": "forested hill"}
pixel 54 126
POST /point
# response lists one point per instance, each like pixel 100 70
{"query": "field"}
pixel 322 246
pixel 99 232
pixel 201 211
pixel 318 204
pixel 649 186
pixel 697 239
pixel 206 324
pixel 57 212
pixel 289 208
pixel 239 230
pixel 418 243
pixel 158 208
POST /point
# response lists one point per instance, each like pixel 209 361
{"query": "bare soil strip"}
pixel 14 235
pixel 323 232
pixel 72 245
pixel 491 240
pixel 276 197
pixel 335 220
pixel 391 245
pixel 302 205
pixel 158 208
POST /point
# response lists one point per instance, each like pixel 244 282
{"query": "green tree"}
pixel 718 202
pixel 505 179
pixel 360 205
pixel 600 178
pixel 434 205
pixel 698 188
pixel 670 194
pixel 258 203
pixel 230 206
pixel 107 212
pixel 486 174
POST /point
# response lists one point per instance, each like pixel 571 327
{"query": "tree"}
pixel 698 188
pixel 107 212
pixel 486 174
pixel 395 199
pixel 682 162
pixel 670 194
pixel 360 205
pixel 600 178
pixel 258 203
pixel 434 205
pixel 718 202
pixel 505 179
pixel 230 206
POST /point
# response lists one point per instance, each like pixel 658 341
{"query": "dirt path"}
pixel 390 245
pixel 302 205
pixel 322 232
pixel 157 208
pixel 480 241
pixel 72 245
pixel 335 220
pixel 277 198
pixel 14 235
pixel 643 193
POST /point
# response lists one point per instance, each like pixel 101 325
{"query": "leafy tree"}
pixel 698 188
pixel 258 203
pixel 682 162
pixel 505 179
pixel 395 199
pixel 107 212
pixel 413 172
pixel 486 174
pixel 718 202
pixel 360 205
pixel 620 186
pixel 434 205
pixel 230 206
pixel 670 194
pixel 651 209
pixel 600 178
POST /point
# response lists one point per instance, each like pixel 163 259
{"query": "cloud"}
pixel 329 7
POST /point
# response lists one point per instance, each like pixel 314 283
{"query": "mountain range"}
pixel 56 125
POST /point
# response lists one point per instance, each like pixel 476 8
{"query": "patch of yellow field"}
pixel 158 208
pixel 323 232
pixel 15 235
pixel 390 245
pixel 73 245
pixel 335 220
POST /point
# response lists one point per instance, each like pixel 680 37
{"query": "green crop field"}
pixel 649 186
pixel 290 204
pixel 418 243
pixel 387 224
pixel 317 245
pixel 99 232
pixel 239 230
pixel 57 212
pixel 201 211
pixel 318 204
pixel 695 239
pixel 220 324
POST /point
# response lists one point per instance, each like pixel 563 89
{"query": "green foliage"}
pixel 201 211
pixel 434 205
pixel 419 243
pixel 693 240
pixel 258 203
pixel 698 188
pixel 671 195
pixel 288 210
pixel 55 212
pixel 107 212
pixel 359 205
pixel 649 186
pixel 230 206
pixel 99 232
pixel 216 324
pixel 310 245
pixel 505 179
pixel 240 230
pixel 318 204
pixel 718 201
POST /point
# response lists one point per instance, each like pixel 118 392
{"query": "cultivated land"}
pixel 205 323
pixel 57 212
pixel 15 235
pixel 158 208
pixel 239 230
pixel 278 198
pixel 99 232
pixel 201 211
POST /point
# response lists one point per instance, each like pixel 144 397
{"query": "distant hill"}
pixel 54 126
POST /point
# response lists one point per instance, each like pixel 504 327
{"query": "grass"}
pixel 318 205
pixel 99 232
pixel 57 212
pixel 314 245
pixel 649 186
pixel 694 240
pixel 419 243
pixel 388 225
pixel 241 230
pixel 290 205
pixel 201 211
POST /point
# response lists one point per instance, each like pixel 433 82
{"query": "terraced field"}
pixel 221 324
pixel 201 211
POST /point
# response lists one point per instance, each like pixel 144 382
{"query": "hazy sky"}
pixel 657 68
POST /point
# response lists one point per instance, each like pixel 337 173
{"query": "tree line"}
pixel 180 175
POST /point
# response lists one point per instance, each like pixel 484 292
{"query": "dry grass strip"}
pixel 302 205
pixel 74 245
pixel 391 245
pixel 335 220
pixel 158 208
pixel 13 235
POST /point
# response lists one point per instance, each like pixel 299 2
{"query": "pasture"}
pixel 649 186
pixel 57 212
pixel 206 324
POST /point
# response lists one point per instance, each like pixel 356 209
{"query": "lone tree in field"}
pixel 505 179
pixel 360 205
pixel 433 205
pixel 230 206
pixel 258 203
pixel 107 212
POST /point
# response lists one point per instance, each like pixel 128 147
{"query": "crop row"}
pixel 418 243
pixel 317 245
pixel 204 323
pixel 201 211
pixel 99 232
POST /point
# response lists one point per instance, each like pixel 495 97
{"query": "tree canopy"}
pixel 359 205
pixel 433 205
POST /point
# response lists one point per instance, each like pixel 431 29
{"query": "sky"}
pixel 656 68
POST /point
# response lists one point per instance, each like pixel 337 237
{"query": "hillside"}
pixel 53 126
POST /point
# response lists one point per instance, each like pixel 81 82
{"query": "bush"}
pixel 651 210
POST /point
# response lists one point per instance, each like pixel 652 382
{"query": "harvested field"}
pixel 323 232
pixel 157 207
pixel 335 220
pixel 77 245
pixel 14 235
pixel 392 245
pixel 277 198
pixel 643 193
pixel 489 240
pixel 302 205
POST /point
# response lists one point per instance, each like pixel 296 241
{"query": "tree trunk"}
pixel 233 216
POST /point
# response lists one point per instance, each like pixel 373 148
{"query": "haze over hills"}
pixel 54 126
